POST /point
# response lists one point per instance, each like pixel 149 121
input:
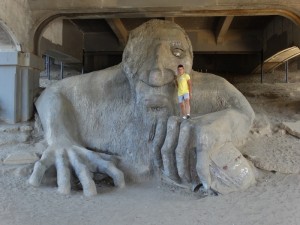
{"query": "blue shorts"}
pixel 181 98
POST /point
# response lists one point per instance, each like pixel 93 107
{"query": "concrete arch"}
pixel 39 29
pixel 8 41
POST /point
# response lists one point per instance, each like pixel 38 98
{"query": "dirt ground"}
pixel 275 199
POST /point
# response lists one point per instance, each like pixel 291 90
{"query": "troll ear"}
pixel 128 60
pixel 128 66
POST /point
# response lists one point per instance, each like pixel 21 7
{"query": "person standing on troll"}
pixel 184 86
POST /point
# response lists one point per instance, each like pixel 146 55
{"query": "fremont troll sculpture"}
pixel 124 121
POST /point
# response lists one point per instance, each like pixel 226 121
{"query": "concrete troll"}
pixel 124 121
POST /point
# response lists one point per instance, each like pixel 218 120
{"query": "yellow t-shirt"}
pixel 183 87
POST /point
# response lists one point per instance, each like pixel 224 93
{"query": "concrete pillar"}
pixel 19 83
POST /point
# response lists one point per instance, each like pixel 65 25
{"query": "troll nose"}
pixel 158 77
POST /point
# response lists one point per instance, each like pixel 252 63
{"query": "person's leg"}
pixel 187 105
pixel 182 105
pixel 182 108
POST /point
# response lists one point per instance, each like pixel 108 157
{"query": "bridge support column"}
pixel 19 83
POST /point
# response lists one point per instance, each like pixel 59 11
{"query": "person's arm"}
pixel 189 82
pixel 175 79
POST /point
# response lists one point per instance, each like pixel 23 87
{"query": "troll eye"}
pixel 178 52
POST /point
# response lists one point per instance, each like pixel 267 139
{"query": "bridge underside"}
pixel 221 44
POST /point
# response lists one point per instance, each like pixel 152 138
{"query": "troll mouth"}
pixel 157 102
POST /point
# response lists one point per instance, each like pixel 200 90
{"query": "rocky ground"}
pixel 273 146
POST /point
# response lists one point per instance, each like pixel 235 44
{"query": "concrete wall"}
pixel 102 50
pixel 6 41
pixel 193 4
pixel 223 64
pixel 16 16
pixel 101 60
pixel 247 41
pixel 73 40
pixel 63 41
pixel 101 42
pixel 280 34
pixel 54 32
